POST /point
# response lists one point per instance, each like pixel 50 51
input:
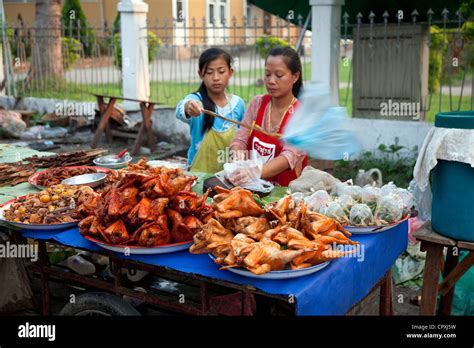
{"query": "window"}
pixel 211 13
pixel 179 11
pixel 267 23
pixel 222 14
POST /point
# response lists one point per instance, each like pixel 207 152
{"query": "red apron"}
pixel 267 148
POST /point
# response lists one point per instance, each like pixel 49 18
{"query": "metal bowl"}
pixel 92 180
pixel 111 161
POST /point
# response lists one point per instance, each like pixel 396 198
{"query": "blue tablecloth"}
pixel 332 291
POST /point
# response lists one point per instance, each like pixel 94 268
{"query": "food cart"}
pixel 331 290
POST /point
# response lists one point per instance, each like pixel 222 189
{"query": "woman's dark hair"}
pixel 292 61
pixel 204 59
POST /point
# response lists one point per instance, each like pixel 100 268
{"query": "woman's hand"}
pixel 193 108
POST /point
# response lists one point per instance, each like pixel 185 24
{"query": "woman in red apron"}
pixel 281 164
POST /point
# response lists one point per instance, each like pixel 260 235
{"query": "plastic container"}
pixel 80 265
pixel 453 186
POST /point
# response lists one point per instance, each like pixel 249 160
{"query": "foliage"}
pixel 467 9
pixel 154 45
pixel 395 164
pixel 71 52
pixel 265 43
pixel 439 45
pixel 76 25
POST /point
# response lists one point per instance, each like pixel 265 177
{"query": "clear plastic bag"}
pixel 407 198
pixel 388 189
pixel 346 202
pixel 389 210
pixel 422 200
pixel 338 189
pixel 334 210
pixel 317 200
pixel 354 191
pixel 371 196
pixel 297 197
pixel 361 215
pixel 319 128
pixel 247 175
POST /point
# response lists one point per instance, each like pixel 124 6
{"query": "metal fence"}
pixel 91 58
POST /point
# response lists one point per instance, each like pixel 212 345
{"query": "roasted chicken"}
pixel 284 235
pixel 149 207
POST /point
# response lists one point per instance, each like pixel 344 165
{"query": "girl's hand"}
pixel 193 108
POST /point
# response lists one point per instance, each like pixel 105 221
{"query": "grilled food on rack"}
pixel 55 205
pixel 283 235
pixel 146 207
pixel 15 173
pixel 78 158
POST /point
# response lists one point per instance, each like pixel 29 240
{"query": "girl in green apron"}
pixel 211 137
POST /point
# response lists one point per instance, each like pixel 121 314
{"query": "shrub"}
pixel 76 25
pixel 266 43
pixel 439 44
pixel 154 45
pixel 395 164
pixel 71 52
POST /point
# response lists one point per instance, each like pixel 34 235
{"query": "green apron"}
pixel 210 157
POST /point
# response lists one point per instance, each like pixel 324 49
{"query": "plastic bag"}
pixel 334 210
pixel 43 132
pixel 320 129
pixel 12 123
pixel 371 196
pixel 389 188
pixel 407 199
pixel 422 200
pixel 247 175
pixel 298 197
pixel 354 191
pixel 389 210
pixel 361 215
pixel 346 202
pixel 317 200
pixel 338 189
pixel 311 180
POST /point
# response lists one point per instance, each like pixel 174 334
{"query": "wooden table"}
pixel 105 110
pixel 452 270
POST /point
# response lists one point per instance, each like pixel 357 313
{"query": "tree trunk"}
pixel 47 49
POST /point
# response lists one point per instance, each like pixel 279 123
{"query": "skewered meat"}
pixel 78 158
pixel 15 173
pixel 55 176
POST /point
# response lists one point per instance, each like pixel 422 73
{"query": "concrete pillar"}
pixel 135 71
pixel 325 29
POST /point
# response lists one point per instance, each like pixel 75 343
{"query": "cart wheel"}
pixel 98 304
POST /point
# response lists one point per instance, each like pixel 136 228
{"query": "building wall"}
pixel 27 11
pixel 160 13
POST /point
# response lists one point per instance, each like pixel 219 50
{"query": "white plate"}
pixel 111 162
pixel 372 229
pixel 35 227
pixel 136 250
pixel 286 274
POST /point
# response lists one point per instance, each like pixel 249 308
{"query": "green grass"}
pixel 344 70
pixel 170 93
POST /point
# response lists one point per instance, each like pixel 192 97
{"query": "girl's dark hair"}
pixel 204 59
pixel 292 61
